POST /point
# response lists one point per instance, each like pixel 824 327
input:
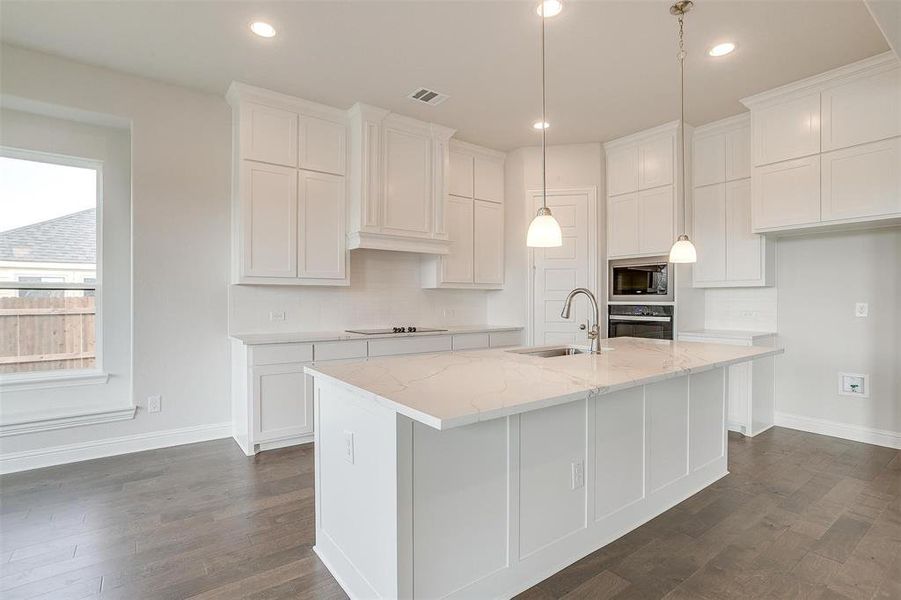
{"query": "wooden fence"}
pixel 42 334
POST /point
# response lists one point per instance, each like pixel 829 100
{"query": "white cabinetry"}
pixel 289 203
pixel 397 182
pixel 474 218
pixel 826 149
pixel 729 253
pixel 644 205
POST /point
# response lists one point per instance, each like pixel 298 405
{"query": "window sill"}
pixel 20 382
pixel 38 421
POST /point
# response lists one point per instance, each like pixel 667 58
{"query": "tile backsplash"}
pixel 384 290
pixel 749 309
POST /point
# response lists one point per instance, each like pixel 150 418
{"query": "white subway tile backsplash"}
pixel 752 309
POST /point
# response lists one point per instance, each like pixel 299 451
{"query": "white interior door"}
pixel 556 271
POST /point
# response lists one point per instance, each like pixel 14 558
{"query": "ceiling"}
pixel 611 65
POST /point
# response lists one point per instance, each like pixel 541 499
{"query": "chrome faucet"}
pixel 594 333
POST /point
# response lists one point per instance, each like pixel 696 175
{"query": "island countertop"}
pixel 453 389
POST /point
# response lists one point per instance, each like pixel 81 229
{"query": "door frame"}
pixel 592 193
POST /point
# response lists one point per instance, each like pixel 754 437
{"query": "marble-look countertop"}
pixel 730 334
pixel 291 337
pixel 453 389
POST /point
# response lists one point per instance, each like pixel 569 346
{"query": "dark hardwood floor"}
pixel 799 516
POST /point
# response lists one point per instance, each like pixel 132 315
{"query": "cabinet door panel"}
pixel 744 258
pixel 457 265
pixel 709 159
pixel 268 134
pixel 786 193
pixel 709 233
pixel 738 154
pixel 321 226
pixel 322 145
pixel 787 130
pixel 622 217
pixel 282 402
pixel 655 162
pixel 461 173
pixel 862 181
pixel 407 184
pixel 269 220
pixel 489 242
pixel 622 170
pixel 656 232
pixel 489 179
pixel 865 110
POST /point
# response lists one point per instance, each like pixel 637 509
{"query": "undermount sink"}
pixel 553 351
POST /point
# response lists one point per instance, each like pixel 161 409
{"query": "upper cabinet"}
pixel 644 204
pixel 474 220
pixel 826 149
pixel 397 182
pixel 289 197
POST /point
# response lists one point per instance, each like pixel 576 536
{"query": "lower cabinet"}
pixel 278 392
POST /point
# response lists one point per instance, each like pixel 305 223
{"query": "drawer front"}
pixel 471 341
pixel 277 354
pixel 411 345
pixel 501 339
pixel 340 350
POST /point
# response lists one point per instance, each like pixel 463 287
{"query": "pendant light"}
pixel 683 251
pixel 544 230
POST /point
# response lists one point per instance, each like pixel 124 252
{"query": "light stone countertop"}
pixel 453 389
pixel 731 334
pixel 335 336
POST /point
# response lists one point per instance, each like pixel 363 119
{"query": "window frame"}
pixel 64 377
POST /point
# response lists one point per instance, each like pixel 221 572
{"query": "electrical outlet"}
pixel 349 446
pixel 277 315
pixel 853 384
pixel 154 404
pixel 861 309
pixel 578 474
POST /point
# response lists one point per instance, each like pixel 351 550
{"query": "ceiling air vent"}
pixel 427 96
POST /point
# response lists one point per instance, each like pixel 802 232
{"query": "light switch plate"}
pixel 861 309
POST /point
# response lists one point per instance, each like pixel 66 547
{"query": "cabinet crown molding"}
pixel 239 92
pixel 462 146
pixel 670 127
pixel 817 83
pixel 723 125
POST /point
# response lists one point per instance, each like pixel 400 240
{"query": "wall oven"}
pixel 640 320
pixel 640 280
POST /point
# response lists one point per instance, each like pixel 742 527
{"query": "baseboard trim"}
pixel 60 455
pixel 868 435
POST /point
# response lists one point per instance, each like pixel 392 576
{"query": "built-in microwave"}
pixel 644 280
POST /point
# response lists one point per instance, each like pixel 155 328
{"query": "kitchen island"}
pixel 478 474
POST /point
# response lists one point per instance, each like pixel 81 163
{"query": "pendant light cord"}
pixel 543 121
pixel 682 99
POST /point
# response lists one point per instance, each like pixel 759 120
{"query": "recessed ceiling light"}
pixel 262 29
pixel 539 125
pixel 550 8
pixel 722 49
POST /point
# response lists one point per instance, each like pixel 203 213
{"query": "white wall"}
pixel 568 166
pixel 385 290
pixel 180 151
pixel 820 278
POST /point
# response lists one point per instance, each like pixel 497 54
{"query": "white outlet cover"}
pixel 854 384
pixel 154 404
pixel 277 316
pixel 861 309
pixel 349 446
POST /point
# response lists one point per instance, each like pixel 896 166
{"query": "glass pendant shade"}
pixel 544 231
pixel 683 251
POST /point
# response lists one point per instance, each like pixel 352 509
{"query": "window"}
pixel 49 272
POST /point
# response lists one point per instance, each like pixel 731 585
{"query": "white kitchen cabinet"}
pixel 268 209
pixel 488 243
pixel 644 206
pixel 710 234
pixel 623 223
pixel 862 110
pixel 862 181
pixel 787 130
pixel 322 145
pixel 474 220
pixel 321 248
pixel 786 193
pixel 457 266
pixel 397 191
pixel 730 254
pixel 849 175
pixel 282 401
pixel 289 204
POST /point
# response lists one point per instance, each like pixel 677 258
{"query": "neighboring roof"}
pixel 71 238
